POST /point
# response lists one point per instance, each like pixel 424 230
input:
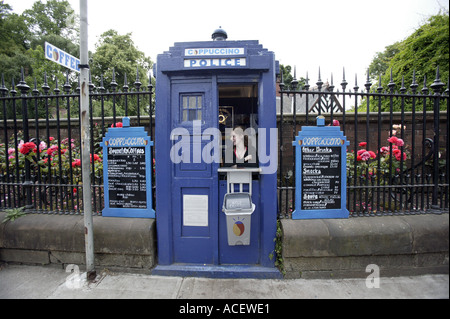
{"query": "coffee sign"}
pixel 320 172
pixel 127 172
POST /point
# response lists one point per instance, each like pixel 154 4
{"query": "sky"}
pixel 326 34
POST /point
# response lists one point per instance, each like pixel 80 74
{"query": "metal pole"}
pixel 86 141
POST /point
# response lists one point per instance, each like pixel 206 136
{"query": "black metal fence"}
pixel 398 159
pixel 397 162
pixel 40 154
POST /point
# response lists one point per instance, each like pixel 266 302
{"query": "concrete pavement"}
pixel 36 282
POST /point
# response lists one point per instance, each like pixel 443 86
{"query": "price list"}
pixel 127 178
pixel 321 178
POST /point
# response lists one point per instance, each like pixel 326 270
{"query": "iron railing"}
pixel 397 160
pixel 40 166
pixel 40 142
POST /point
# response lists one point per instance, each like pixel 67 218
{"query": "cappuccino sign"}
pixel 320 172
pixel 214 57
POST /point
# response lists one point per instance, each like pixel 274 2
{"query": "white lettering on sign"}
pixel 126 141
pixel 54 54
pixel 328 141
pixel 214 51
pixel 225 62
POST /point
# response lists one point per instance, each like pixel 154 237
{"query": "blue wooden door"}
pixel 194 176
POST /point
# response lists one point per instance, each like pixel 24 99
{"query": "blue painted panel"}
pixel 320 151
pixel 126 164
pixel 177 76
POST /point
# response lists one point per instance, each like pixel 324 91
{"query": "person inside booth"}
pixel 243 153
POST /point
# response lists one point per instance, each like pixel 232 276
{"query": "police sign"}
pixel 214 57
pixel 54 54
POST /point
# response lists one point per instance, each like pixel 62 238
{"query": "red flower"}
pixel 399 156
pixel 118 124
pixel 372 154
pixel 359 158
pixel 27 147
pixel 96 158
pixel 363 144
pixel 393 140
pixel 51 150
pixel 76 163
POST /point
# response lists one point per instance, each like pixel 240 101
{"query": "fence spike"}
pixel 414 84
pixel 22 86
pixel 35 91
pixel 368 84
pixel 137 83
pixel 425 89
pixel 380 87
pixel 13 87
pixel 307 82
pixel 437 84
pixel 125 83
pixel 113 81
pixel 391 84
pixel 331 86
pixel 45 86
pixel 319 82
pixel 67 85
pixel 3 88
pixel 344 82
pixel 294 83
pixel 102 87
pixel 402 88
pixel 90 84
pixel 356 87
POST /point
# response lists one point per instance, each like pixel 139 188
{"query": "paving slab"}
pixel 37 282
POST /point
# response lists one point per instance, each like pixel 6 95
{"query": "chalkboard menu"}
pixel 320 172
pixel 321 178
pixel 127 178
pixel 127 172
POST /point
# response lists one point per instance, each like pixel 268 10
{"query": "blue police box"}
pixel 320 172
pixel 203 90
pixel 127 172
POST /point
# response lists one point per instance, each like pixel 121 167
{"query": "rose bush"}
pixel 383 164
pixel 51 158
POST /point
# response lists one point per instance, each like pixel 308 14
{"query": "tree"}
pixel 118 52
pixel 53 17
pixel 22 40
pixel 422 52
pixel 381 61
pixel 14 33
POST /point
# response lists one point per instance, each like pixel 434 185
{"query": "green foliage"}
pixel 118 52
pixel 422 52
pixel 51 18
pixel 288 77
pixel 278 252
pixel 13 214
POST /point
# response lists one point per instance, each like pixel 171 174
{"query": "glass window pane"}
pixel 193 102
pixel 192 115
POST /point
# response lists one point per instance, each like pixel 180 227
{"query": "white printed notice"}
pixel 195 210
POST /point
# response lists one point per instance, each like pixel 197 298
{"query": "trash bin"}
pixel 238 208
